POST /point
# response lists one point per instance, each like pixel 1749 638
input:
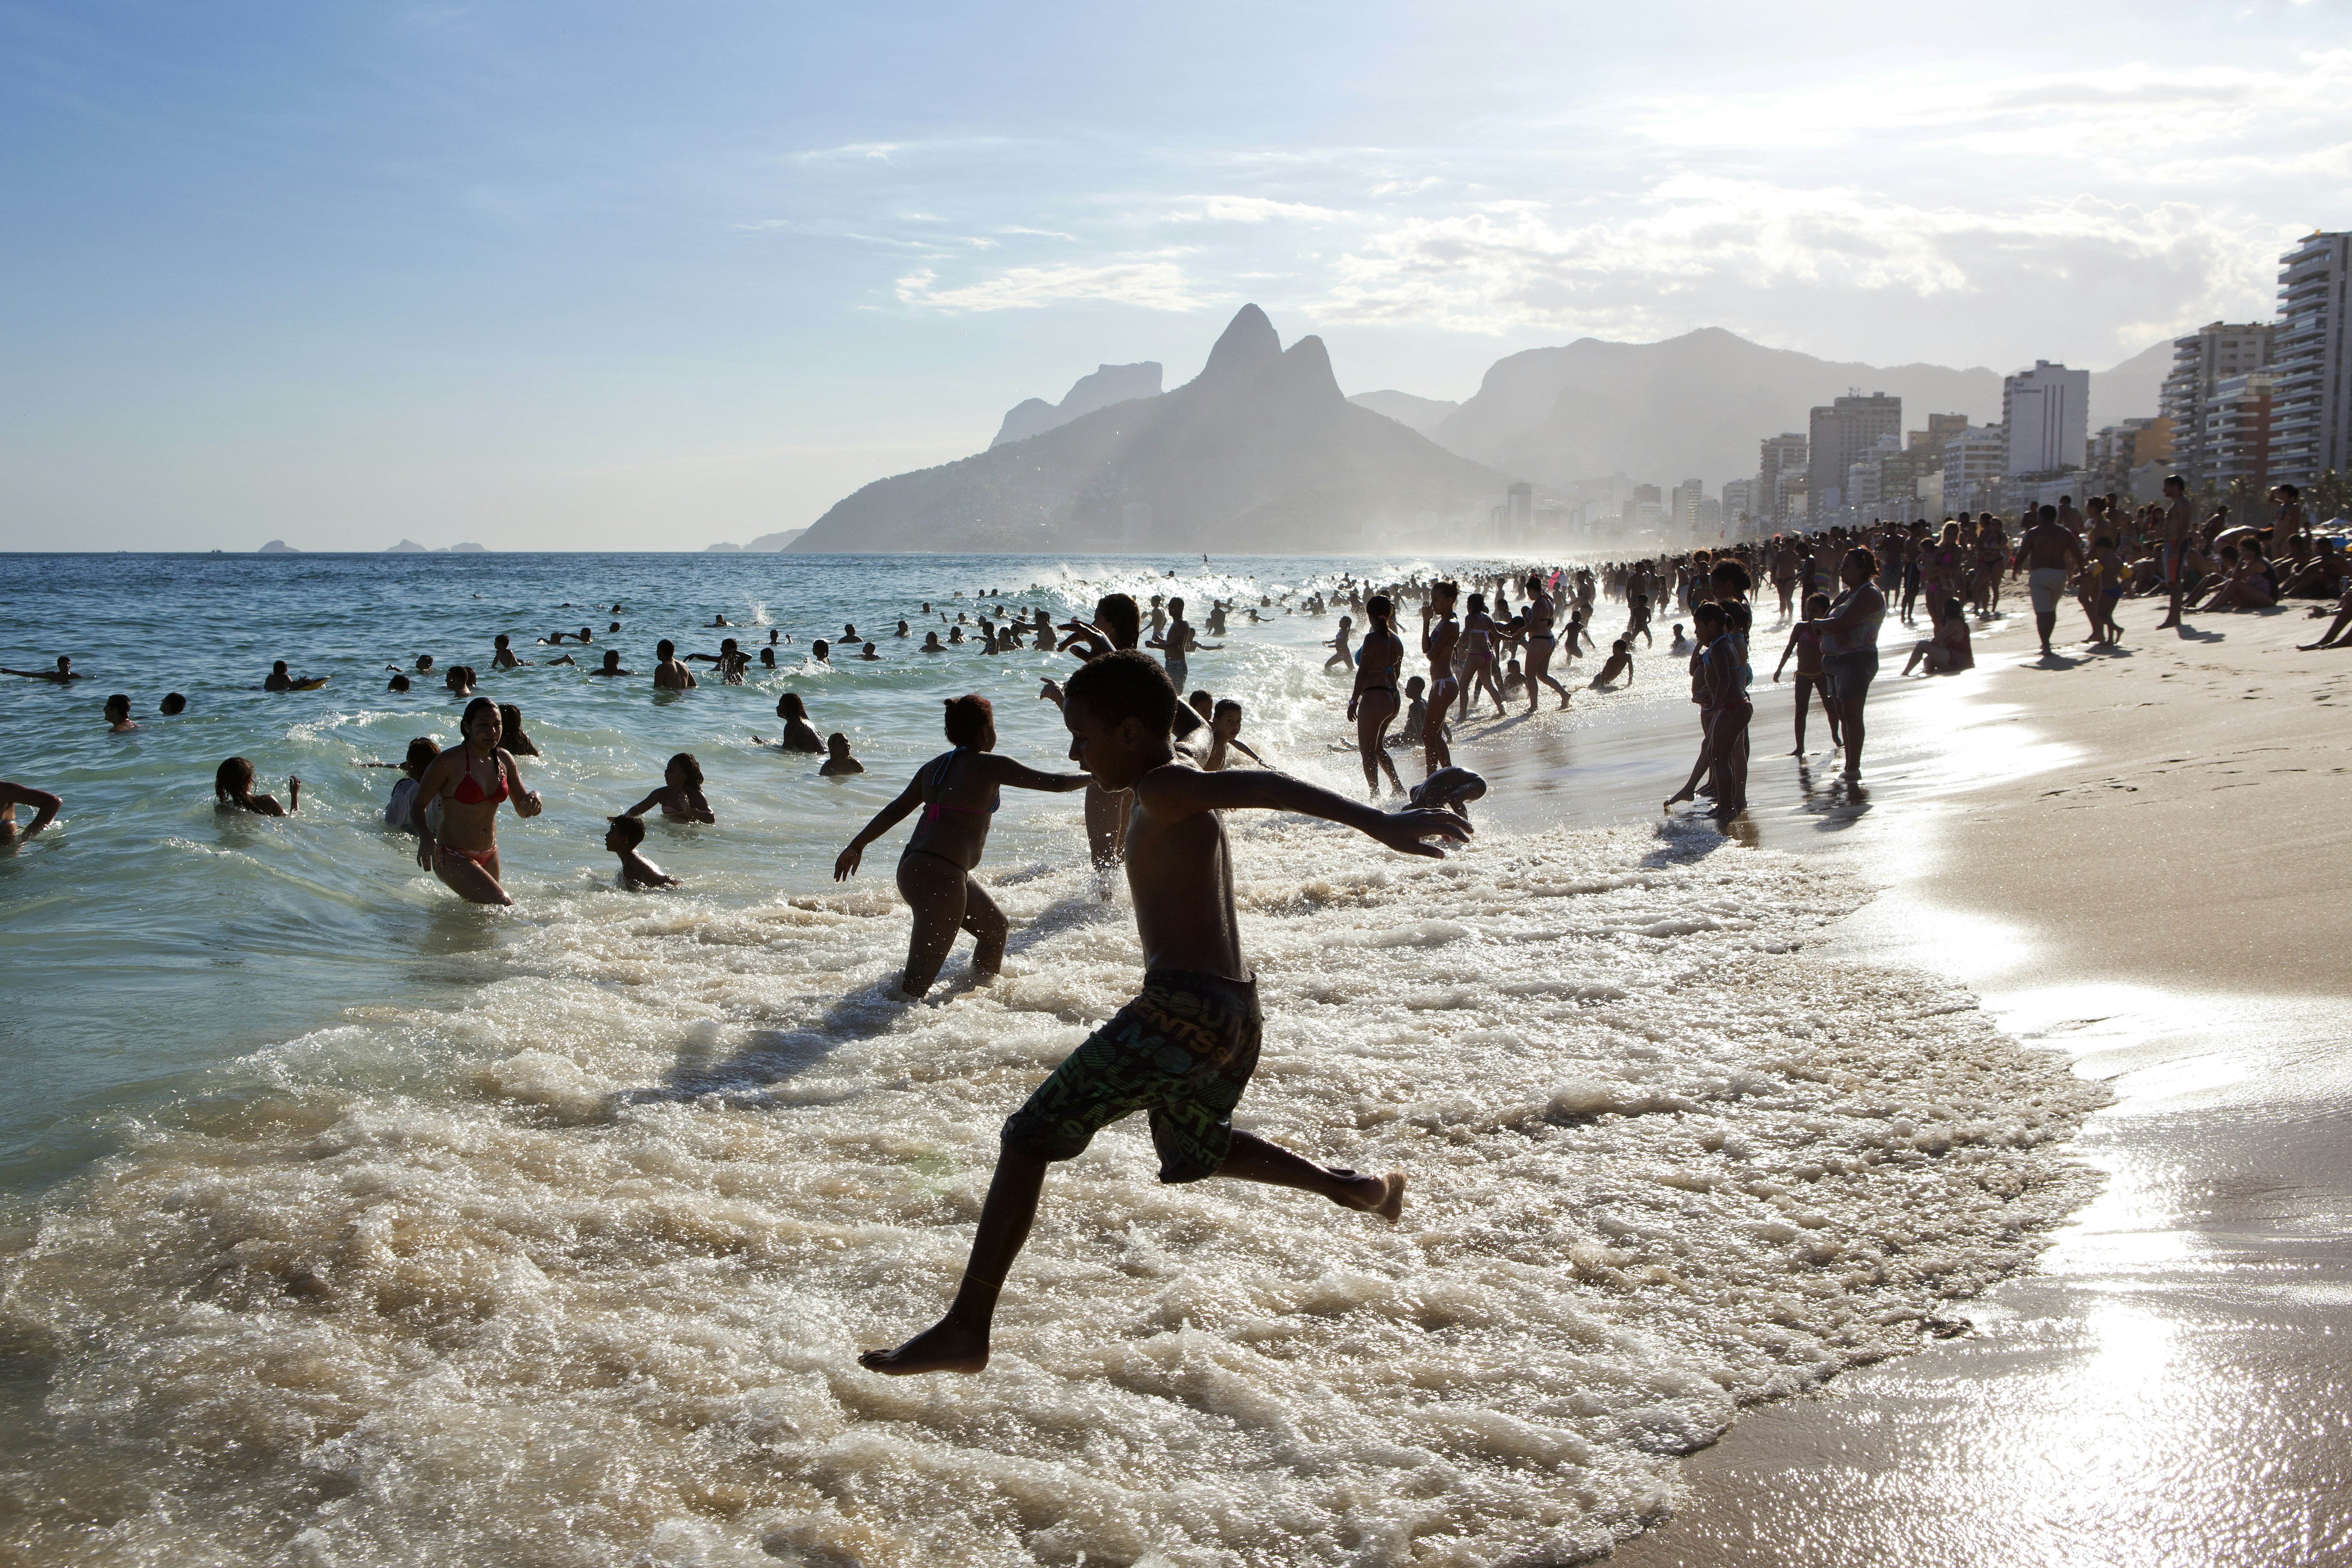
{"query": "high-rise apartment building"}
pixel 1782 460
pixel 1840 432
pixel 2240 425
pixel 1739 500
pixel 2311 417
pixel 1975 462
pixel 2200 363
pixel 2047 413
pixel 1687 495
pixel 1519 510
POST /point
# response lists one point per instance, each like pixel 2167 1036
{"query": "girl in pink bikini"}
pixel 958 792
pixel 470 781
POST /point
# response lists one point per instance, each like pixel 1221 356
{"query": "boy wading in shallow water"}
pixel 1184 1049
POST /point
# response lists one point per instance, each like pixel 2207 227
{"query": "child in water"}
pixel 1619 663
pixel 1183 1051
pixel 837 760
pixel 421 753
pixel 233 791
pixel 680 795
pixel 1225 737
pixel 1338 646
pixel 799 735
pixel 622 838
pixel 1416 714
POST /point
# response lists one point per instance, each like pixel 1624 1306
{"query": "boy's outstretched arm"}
pixel 1170 793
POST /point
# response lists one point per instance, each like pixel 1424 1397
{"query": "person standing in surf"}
pixel 1118 625
pixel 959 792
pixel 1184 1049
pixel 1539 642
pixel 1438 642
pixel 1374 704
pixel 469 780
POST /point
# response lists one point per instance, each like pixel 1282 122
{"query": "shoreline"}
pixel 2069 839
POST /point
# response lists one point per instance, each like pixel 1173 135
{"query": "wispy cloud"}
pixel 1152 285
pixel 1248 209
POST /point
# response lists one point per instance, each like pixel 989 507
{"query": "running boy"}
pixel 1184 1049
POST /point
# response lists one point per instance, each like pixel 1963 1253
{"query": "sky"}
pixel 603 275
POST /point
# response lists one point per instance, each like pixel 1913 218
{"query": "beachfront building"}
pixel 1840 432
pixel 2046 411
pixel 1781 463
pixel 1976 461
pixel 2240 427
pixel 2311 423
pixel 2202 361
pixel 1685 503
pixel 2118 452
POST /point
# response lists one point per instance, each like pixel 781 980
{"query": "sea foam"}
pixel 577 1273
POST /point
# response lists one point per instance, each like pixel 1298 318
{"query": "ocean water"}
pixel 351 1224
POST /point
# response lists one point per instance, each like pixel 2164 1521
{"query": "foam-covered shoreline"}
pixel 576 1272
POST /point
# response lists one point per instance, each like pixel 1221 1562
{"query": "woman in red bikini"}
pixel 957 791
pixel 470 781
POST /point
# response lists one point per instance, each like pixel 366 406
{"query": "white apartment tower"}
pixel 2310 419
pixel 2047 411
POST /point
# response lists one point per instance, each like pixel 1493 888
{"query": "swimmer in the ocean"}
pixel 623 835
pixel 680 795
pixel 45 805
pixel 504 656
pixel 931 643
pixel 798 734
pixel 466 853
pixel 821 651
pixel 838 763
pixel 957 791
pixel 867 652
pixel 721 621
pixel 510 728
pixel 459 680
pixel 118 714
pixel 669 674
pixel 611 665
pixel 398 682
pixel 1184 1049
pixel 422 750
pixel 63 673
pixel 233 791
pixel 902 628
pixel 173 705
pixel 1225 738
pixel 767 658
pixel 1620 663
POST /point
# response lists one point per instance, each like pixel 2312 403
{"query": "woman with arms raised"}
pixel 957 791
pixel 469 780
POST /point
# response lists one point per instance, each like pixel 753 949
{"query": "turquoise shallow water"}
pixel 147 938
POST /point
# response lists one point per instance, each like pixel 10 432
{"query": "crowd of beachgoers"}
pixel 1158 763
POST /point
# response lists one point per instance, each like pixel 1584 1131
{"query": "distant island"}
pixel 278 547
pixel 405 547
pixel 410 547
pixel 765 543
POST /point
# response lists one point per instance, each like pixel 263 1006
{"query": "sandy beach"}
pixel 2132 857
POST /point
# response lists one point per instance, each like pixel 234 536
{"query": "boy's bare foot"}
pixel 946 1346
pixel 1382 1195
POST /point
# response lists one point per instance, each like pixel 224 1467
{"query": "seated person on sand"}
pixel 669 674
pixel 233 791
pixel 63 673
pixel 2323 576
pixel 1184 1049
pixel 2335 637
pixel 838 763
pixel 1620 664
pixel 118 714
pixel 13 795
pixel 623 835
pixel 1949 650
pixel 680 795
pixel 798 734
pixel 2245 583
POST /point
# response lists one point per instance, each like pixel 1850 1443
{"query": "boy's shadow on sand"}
pixel 745 1078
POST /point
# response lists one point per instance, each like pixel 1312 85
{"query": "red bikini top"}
pixel 469 792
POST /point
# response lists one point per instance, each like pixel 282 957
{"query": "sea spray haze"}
pixel 549 1240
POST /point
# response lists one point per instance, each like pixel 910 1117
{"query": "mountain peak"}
pixel 1307 369
pixel 1248 343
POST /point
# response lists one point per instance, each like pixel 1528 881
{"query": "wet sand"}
pixel 2135 857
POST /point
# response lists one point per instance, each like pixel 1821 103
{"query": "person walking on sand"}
pixel 2047 552
pixel 465 855
pixel 2179 532
pixel 1184 1049
pixel 1373 704
pixel 958 790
